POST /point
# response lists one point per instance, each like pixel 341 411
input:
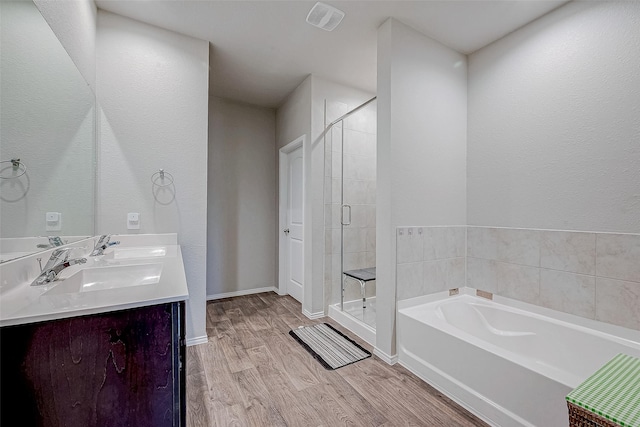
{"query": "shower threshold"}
pixel 361 322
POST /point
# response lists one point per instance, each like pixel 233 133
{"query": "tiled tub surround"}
pixel 592 275
pixel 534 275
pixel 588 274
pixel 429 260
pixel 358 164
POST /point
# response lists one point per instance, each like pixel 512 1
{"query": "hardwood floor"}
pixel 252 373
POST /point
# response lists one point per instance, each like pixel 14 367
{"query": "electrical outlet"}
pixel 133 221
pixel 53 221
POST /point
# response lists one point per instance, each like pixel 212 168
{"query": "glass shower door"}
pixel 357 163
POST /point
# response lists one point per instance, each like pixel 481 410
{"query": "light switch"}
pixel 53 221
pixel 133 221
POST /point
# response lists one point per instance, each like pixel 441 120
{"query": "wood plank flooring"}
pixel 252 373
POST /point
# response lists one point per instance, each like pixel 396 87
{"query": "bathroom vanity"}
pixel 104 345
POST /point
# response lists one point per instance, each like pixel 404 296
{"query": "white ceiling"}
pixel 261 50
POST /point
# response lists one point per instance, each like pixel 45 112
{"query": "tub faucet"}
pixel 59 261
pixel 53 242
pixel 102 244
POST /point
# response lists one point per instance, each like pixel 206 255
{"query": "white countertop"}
pixel 21 303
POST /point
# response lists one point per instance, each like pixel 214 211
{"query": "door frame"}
pixel 283 197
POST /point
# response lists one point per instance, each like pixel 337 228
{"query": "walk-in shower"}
pixel 350 211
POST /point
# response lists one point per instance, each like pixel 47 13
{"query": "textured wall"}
pixel 293 120
pixel 554 134
pixel 293 117
pixel 152 91
pixel 242 198
pixel 422 115
pixel 428 133
pixel 74 22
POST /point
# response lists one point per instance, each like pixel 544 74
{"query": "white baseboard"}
pixel 197 340
pixel 313 316
pixel 241 293
pixel 390 360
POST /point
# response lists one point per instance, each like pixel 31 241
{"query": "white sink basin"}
pixel 102 278
pixel 136 252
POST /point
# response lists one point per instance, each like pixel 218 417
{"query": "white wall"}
pixel 422 114
pixel 293 120
pixel 554 134
pixel 74 23
pixel 242 198
pixel 152 89
pixel 293 117
pixel 332 92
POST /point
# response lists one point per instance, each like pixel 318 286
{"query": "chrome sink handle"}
pixel 57 257
pixel 102 240
pixel 102 244
pixel 53 242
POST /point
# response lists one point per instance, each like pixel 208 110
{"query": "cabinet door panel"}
pixel 113 369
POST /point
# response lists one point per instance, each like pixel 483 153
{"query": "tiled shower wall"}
pixel 592 275
pixel 358 134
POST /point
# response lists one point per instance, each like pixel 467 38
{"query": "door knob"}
pixel 286 231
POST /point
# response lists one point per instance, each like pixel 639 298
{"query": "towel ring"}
pixel 162 175
pixel 16 165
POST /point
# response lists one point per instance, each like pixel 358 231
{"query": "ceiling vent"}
pixel 324 16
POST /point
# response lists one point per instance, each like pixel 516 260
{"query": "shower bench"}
pixel 362 276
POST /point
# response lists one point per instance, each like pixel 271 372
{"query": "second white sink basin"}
pixel 102 278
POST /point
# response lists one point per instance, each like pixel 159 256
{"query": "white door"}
pixel 294 223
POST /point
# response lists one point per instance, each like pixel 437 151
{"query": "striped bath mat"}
pixel 330 347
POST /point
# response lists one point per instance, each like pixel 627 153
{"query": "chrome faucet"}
pixel 53 242
pixel 59 261
pixel 102 244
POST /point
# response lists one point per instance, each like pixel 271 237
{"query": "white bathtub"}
pixel 510 363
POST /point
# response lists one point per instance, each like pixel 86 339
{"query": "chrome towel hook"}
pixel 16 166
pixel 162 178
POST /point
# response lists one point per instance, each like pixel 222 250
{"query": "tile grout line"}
pixel 553 269
pixel 595 270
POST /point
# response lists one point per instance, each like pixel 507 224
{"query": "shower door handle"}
pixel 342 221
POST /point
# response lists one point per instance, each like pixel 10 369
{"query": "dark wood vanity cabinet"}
pixel 122 368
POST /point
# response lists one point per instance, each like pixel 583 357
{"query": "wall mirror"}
pixel 47 137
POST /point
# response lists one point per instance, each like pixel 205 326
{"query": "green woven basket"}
pixel 609 397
